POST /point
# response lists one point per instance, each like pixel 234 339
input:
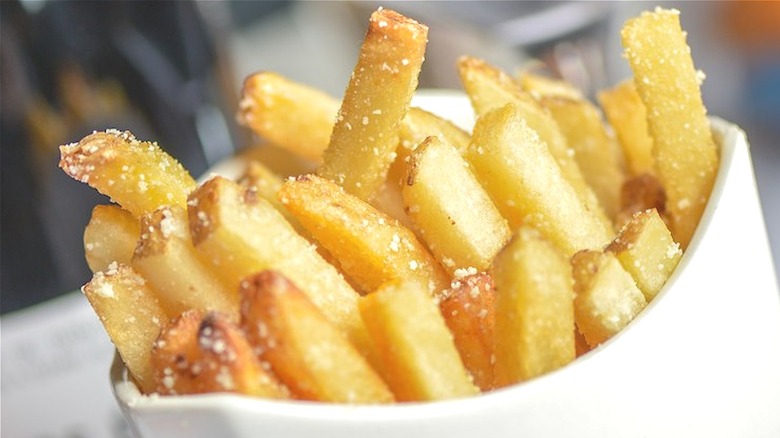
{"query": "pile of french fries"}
pixel 419 261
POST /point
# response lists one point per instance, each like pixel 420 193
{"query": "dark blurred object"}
pixel 69 68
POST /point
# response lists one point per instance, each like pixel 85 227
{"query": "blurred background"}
pixel 172 71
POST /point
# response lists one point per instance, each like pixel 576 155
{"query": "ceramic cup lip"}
pixel 453 105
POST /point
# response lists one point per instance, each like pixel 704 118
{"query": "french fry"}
pixel 686 158
pixel 541 86
pixel 240 234
pixel 200 353
pixel 305 350
pixel 646 250
pixel 640 193
pixel 451 210
pixel 606 297
pixel 534 309
pixel 468 311
pixel 371 248
pixel 415 128
pixel 526 184
pixel 580 122
pixel 594 149
pixel 138 175
pixel 288 114
pixel 628 117
pixel 279 161
pixel 419 355
pixel 110 236
pixel 131 315
pixel 267 184
pixel 580 344
pixel 420 124
pixel 167 259
pixel 377 98
pixel 300 118
pixel 490 88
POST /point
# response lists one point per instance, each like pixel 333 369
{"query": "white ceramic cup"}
pixel 703 359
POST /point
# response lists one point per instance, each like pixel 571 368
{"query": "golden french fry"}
pixel 541 86
pixel 138 175
pixel 257 176
pixel 110 236
pixel 420 124
pixel 628 117
pixel 415 128
pixel 467 308
pixel 288 114
pixel 167 259
pixel 131 315
pixel 534 307
pixel 305 350
pixel 646 250
pixel 240 234
pixel 580 344
pixel 686 158
pixel 371 248
pixel 279 161
pixel 606 297
pixel 199 353
pixel 526 184
pixel 640 193
pixel 594 149
pixel 451 210
pixel 490 88
pixel 420 360
pixel 377 98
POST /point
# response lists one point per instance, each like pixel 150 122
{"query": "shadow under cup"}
pixel 703 359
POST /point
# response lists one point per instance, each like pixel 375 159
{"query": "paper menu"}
pixel 54 376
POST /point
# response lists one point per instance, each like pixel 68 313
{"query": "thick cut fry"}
pixel 241 234
pixel 267 184
pixel 467 308
pixel 534 308
pixel 490 88
pixel 131 315
pixel 288 114
pixel 606 297
pixel 138 175
pixel 628 116
pixel 281 162
pixel 595 150
pixel 526 184
pixel 110 236
pixel 640 193
pixel 415 128
pixel 199 353
pixel 580 344
pixel 167 259
pixel 410 336
pixel 542 86
pixel 646 250
pixel 371 248
pixel 686 157
pixel 377 98
pixel 451 210
pixel 306 351
pixel 420 124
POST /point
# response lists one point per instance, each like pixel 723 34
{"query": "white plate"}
pixel 703 359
